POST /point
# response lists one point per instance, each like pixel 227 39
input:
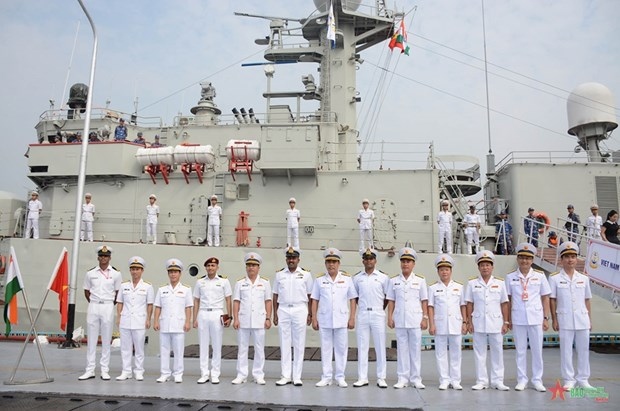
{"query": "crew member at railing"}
pixel 572 225
pixel 444 221
pixel 120 132
pixel 531 227
pixel 140 139
pixel 471 223
pixel 594 223
pixel 503 233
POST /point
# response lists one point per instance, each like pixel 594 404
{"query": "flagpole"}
pixel 80 191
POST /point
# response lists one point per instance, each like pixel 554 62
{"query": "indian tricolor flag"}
pixel 14 284
pixel 399 39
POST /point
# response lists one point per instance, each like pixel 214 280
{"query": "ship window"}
pixel 38 169
pixel 243 192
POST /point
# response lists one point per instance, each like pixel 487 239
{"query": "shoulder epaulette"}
pixel 473 278
pixel 320 275
pixel 146 282
pixel 499 278
pixel 419 275
pixel 435 282
pixel 92 268
pixel 204 276
pixel 281 269
pixel 345 274
pixel 241 279
pixel 552 274
pixel 223 276
pixel 185 285
pixel 305 269
pixel 381 272
pixel 115 269
pixel 395 275
pixel 164 284
pixel 458 282
pixel 538 271
pixel 127 281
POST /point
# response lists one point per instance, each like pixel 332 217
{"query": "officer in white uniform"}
pixel 471 222
pixel 371 286
pixel 101 285
pixel 88 216
pixel 594 223
pixel 252 307
pixel 173 318
pixel 34 209
pixel 487 319
pixel 365 219
pixel 570 311
pixel 292 287
pixel 293 216
pixel 408 311
pixel 152 214
pixel 446 311
pixel 135 309
pixel 212 312
pixel 214 212
pixel 528 291
pixel 333 312
pixel 444 220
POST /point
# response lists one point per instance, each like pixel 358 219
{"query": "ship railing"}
pixel 260 118
pixel 550 157
pixel 99 113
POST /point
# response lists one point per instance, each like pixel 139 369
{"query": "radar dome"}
pixel 350 5
pixel 590 103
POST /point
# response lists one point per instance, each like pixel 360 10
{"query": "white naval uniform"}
pixel 527 319
pixel 371 291
pixel 366 218
pixel 408 295
pixel 173 302
pixel 252 315
pixel 292 227
pixel 88 216
pixel 446 301
pixel 487 319
pixel 472 221
pixel 292 289
pixel 444 220
pixel 333 298
pixel 152 211
pixel 132 323
pixel 574 323
pixel 213 229
pixel 212 294
pixel 32 219
pixel 103 285
pixel 593 224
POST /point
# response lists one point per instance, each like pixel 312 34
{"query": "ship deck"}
pixel 67 393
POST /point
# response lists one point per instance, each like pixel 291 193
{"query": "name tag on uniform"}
pixel 580 284
pixel 415 286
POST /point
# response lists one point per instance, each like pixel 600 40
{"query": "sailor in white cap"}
pixel 444 221
pixel 291 303
pixel 88 216
pixel 293 215
pixel 214 214
pixel 173 318
pixel 252 308
pixel 101 285
pixel 487 319
pixel 446 313
pixel 135 309
pixel 152 214
pixel 594 223
pixel 371 286
pixel 34 209
pixel 471 222
pixel 365 219
pixel 528 291
pixel 407 311
pixel 333 312
pixel 571 312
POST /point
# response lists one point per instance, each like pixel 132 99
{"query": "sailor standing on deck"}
pixel 211 294
pixel 487 320
pixel 135 309
pixel 34 209
pixel 530 227
pixel 365 218
pixel 101 285
pixel 252 316
pixel 152 214
pixel 173 318
pixel 594 223
pixel 444 220
pixel 471 222
pixel 570 310
pixel 371 286
pixel 446 313
pixel 333 312
pixel 408 311
pixel 214 212
pixel 88 216
pixel 528 291
pixel 292 287
pixel 293 216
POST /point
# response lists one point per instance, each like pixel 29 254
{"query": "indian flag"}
pixel 14 284
pixel 399 39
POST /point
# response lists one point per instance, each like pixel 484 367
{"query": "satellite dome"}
pixel 591 104
pixel 350 5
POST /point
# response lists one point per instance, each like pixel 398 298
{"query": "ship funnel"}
pixel 591 117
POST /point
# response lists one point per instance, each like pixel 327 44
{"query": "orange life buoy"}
pixel 2 264
pixel 543 218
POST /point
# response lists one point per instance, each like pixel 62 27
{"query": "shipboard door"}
pixel 384 233
pixel 198 219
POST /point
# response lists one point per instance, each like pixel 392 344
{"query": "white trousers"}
pixel 408 350
pixel 132 340
pixel 100 321
pixel 370 322
pixel 176 343
pixel 581 338
pixel 495 342
pixel 473 239
pixel 292 331
pixel 365 239
pixel 210 329
pixel 32 224
pixel 292 236
pixel 521 334
pixel 213 235
pixel 86 231
pixel 243 341
pixel 445 233
pixel 334 341
pixel 151 232
pixel 449 371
